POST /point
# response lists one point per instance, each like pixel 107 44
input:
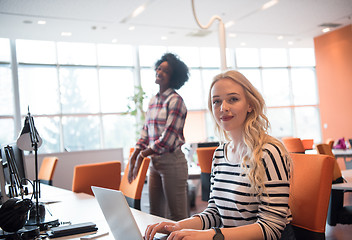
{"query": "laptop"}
pixel 118 215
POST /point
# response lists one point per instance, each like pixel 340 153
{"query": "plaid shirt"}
pixel 163 129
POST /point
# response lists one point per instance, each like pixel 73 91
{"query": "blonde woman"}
pixel 250 172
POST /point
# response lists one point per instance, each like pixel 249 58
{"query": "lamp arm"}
pixel 213 18
pixel 13 170
pixel 222 39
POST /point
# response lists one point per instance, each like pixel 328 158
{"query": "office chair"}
pixel 133 190
pixel 47 169
pixel 307 143
pixel 338 213
pixel 103 174
pixel 330 142
pixel 293 145
pixel 310 188
pixel 205 159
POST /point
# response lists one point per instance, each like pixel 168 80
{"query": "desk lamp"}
pixel 29 140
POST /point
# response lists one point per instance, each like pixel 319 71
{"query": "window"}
pixel 78 92
pixel 6 97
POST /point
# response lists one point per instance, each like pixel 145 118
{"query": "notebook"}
pixel 118 215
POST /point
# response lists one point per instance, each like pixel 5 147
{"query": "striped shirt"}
pixel 232 203
pixel 163 130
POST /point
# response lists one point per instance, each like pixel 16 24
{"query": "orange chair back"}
pixel 307 143
pixel 205 158
pixel 330 142
pixel 134 189
pixel 310 189
pixel 293 145
pixel 47 169
pixel 325 149
pixel 104 174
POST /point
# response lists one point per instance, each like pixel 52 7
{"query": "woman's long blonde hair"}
pixel 255 130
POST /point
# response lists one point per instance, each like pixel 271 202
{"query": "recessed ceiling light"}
pixel 132 28
pixel 41 22
pixel 290 43
pixel 280 37
pixel 233 35
pixel 269 4
pixel 27 22
pixel 163 38
pixel 229 24
pixel 66 34
pixel 138 11
pixel 114 40
pixel 325 30
pixel 243 44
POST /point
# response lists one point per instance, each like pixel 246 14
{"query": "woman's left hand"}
pixel 190 234
pixel 137 165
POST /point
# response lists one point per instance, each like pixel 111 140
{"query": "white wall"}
pixel 67 160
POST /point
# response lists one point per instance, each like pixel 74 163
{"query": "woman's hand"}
pixel 190 234
pixel 163 227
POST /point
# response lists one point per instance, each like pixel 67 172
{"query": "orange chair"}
pixel 307 143
pixel 325 149
pixel 293 145
pixel 310 189
pixel 133 190
pixel 330 142
pixel 205 158
pixel 338 213
pixel 104 174
pixel 47 169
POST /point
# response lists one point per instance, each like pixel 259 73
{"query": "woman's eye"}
pixel 215 102
pixel 234 99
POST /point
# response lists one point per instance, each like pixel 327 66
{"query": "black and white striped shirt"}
pixel 232 203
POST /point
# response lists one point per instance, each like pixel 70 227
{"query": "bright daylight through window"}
pixel 78 92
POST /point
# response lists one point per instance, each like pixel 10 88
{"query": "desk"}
pixel 80 207
pixel 342 186
pixel 347 174
pixel 345 153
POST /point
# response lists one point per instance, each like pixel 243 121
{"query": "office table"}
pixel 344 153
pixel 342 186
pixel 68 206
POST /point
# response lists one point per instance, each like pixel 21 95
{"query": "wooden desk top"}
pixel 67 206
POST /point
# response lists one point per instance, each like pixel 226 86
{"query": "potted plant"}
pixel 135 108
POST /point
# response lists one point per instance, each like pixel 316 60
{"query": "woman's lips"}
pixel 226 118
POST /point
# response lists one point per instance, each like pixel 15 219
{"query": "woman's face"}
pixel 162 74
pixel 229 105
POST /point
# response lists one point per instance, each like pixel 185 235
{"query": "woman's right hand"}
pixel 130 173
pixel 163 227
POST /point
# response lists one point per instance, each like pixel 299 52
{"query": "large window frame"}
pixel 103 122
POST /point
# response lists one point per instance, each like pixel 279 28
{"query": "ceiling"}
pixel 171 22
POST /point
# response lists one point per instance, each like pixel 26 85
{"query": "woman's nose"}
pixel 224 106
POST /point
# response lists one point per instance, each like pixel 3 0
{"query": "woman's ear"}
pixel 250 109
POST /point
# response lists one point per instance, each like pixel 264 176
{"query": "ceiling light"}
pixel 269 4
pixel 280 37
pixel 229 24
pixel 232 35
pixel 163 38
pixel 66 34
pixel 138 11
pixel 114 40
pixel 41 22
pixel 132 28
pixel 325 30
pixel 243 44
pixel 27 22
pixel 290 43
